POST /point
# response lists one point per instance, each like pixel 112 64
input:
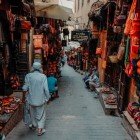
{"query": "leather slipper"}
pixel 42 132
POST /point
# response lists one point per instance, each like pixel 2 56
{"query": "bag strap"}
pixel 127 51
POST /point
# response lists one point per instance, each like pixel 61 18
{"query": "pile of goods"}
pixel 109 96
pixel 105 90
pixel 52 67
pixel 8 105
pixel 134 111
pixel 111 100
pixel 14 82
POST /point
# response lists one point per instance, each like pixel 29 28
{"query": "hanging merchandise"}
pixel 135 29
pixel 104 63
pixel 98 51
pixel 129 69
pixel 121 52
pixel 113 58
pixel 128 64
pixel 24 36
pixel 138 63
pixel 138 67
pixel 46 29
pixel 121 19
pixel 26 25
pixel 14 81
pixel 26 8
pixel 23 46
pixel 128 24
pixel 117 29
pixel 37 41
pixel 135 45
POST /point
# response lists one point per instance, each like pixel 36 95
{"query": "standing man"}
pixel 36 87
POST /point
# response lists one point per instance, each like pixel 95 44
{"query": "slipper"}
pixel 32 127
pixel 42 132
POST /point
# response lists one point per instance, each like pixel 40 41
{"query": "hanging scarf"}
pixel 130 17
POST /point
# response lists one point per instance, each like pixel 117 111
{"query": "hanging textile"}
pixel 130 18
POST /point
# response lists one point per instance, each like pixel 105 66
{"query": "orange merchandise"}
pixel 38 41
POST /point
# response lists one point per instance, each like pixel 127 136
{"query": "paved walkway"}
pixel 76 115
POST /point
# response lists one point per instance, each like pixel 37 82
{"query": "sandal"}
pixel 32 127
pixel 41 132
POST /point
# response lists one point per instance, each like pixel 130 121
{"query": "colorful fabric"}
pixel 131 15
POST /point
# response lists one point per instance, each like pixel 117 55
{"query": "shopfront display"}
pixel 14 45
pixel 48 45
pixel 120 51
pixel 10 113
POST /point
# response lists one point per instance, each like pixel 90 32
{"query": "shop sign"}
pixel 80 36
pixel 37 41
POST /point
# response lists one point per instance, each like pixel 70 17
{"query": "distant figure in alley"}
pixel 37 94
pixel 53 88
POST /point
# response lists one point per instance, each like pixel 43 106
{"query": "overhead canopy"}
pixel 55 11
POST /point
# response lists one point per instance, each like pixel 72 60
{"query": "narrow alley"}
pixel 76 115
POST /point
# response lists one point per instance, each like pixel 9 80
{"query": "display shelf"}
pixel 13 120
pixel 130 125
pixel 108 109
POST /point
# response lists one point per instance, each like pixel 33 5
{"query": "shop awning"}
pixel 55 11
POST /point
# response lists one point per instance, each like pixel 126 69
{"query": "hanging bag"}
pixel 26 25
pixel 113 58
pixel 121 52
pixel 135 28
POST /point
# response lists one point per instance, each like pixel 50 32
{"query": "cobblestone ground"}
pixel 76 115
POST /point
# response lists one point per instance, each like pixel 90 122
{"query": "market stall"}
pixel 48 45
pixel 118 64
pixel 11 112
pixel 16 21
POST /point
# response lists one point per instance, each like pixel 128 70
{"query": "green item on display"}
pixel 126 61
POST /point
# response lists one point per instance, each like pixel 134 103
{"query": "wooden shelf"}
pixel 130 125
pixel 107 106
pixel 108 109
pixel 15 117
pixel 13 120
pixel 131 121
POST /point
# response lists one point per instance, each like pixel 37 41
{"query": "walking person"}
pixel 37 94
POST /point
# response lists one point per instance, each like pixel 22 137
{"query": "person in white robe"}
pixel 36 88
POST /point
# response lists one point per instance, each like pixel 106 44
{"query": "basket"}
pixel 113 58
